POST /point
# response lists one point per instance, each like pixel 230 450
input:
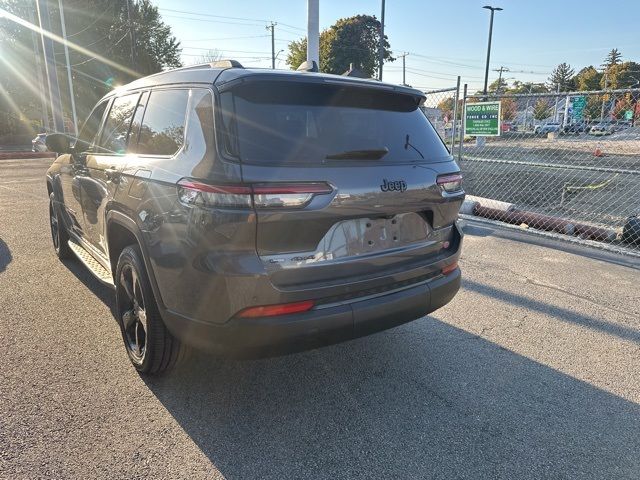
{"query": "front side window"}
pixel 162 130
pixel 89 132
pixel 116 128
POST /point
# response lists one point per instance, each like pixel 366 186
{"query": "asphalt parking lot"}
pixel 533 371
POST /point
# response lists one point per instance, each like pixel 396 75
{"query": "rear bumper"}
pixel 320 326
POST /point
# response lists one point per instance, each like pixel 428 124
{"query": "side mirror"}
pixel 58 142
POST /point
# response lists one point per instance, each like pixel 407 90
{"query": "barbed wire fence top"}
pixel 565 162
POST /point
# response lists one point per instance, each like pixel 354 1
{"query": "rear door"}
pixel 344 179
pixel 104 166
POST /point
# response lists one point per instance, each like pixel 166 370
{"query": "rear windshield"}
pixel 274 122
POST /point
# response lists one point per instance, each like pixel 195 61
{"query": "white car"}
pixel 546 128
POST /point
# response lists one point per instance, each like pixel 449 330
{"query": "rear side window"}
pixel 275 122
pixel 116 129
pixel 162 130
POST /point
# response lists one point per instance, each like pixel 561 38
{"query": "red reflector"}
pixel 273 310
pixel 290 188
pixel 449 268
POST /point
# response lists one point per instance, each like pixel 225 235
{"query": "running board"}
pixel 91 263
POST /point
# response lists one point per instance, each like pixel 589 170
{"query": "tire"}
pixel 59 234
pixel 149 345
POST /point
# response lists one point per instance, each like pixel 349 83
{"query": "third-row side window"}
pixel 162 130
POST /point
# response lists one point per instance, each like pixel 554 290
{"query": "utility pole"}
pixel 273 44
pixel 486 70
pixel 606 84
pixel 132 38
pixel 501 69
pixel 381 46
pixel 313 32
pixel 555 105
pixel 404 55
pixel 69 79
pixel 50 66
pixel 44 114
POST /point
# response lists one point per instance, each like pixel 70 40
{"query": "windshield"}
pixel 292 123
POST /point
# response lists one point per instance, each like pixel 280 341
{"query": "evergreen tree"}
pixel 562 78
pixel 613 57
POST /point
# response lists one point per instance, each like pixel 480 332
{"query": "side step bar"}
pixel 91 263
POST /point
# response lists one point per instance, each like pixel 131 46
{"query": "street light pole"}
pixel 486 70
pixel 42 8
pixel 69 76
pixel 381 46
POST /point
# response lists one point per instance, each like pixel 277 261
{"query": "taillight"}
pixel 450 183
pixel 203 194
pixel 275 310
pixel 263 195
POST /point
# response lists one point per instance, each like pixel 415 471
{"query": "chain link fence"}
pixel 565 162
pixel 443 109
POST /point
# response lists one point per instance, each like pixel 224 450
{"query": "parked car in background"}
pixel 316 208
pixel 546 128
pixel 603 128
pixel 38 143
pixel 576 128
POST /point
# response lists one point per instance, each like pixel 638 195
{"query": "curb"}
pixel 25 155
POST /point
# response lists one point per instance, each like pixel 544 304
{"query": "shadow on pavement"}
pixel 560 313
pixel 104 293
pixel 425 400
pixel 5 256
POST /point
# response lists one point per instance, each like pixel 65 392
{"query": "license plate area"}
pixel 359 237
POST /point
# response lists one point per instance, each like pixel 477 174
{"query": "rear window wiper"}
pixel 372 154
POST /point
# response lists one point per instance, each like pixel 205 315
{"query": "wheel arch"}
pixel 123 231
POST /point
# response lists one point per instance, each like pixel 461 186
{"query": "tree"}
pixel 210 56
pixel 497 86
pixel 621 75
pixel 98 29
pixel 588 79
pixel 541 109
pixel 613 57
pixel 446 107
pixel 508 109
pixel 562 78
pixel 350 40
pixel 527 87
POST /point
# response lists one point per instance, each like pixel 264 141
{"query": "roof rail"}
pixel 226 64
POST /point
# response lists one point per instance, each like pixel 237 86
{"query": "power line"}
pixel 229 18
pixel 225 38
pixel 227 50
pixel 214 21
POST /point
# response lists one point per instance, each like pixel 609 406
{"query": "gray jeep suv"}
pixel 257 211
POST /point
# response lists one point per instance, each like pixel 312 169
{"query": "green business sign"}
pixel 482 119
pixel 578 104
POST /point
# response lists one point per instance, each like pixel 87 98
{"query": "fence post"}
pixel 464 102
pixel 455 113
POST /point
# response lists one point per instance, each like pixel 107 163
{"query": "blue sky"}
pixel 445 39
